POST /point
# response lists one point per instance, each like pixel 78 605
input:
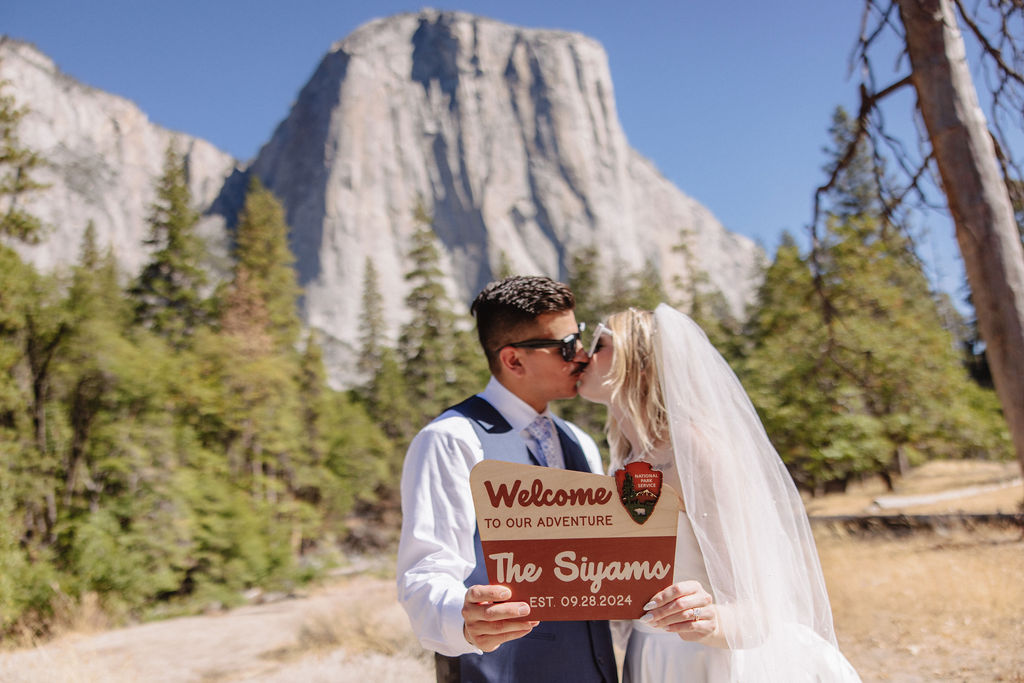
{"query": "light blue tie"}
pixel 543 432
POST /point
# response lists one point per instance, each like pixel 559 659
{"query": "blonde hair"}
pixel 636 387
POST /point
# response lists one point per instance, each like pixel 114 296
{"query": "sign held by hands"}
pixel 575 545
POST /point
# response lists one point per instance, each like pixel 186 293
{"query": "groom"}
pixel 527 328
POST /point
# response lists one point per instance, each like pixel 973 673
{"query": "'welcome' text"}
pixel 539 496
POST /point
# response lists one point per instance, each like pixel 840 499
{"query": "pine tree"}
pixel 17 164
pixel 702 301
pixel 22 414
pixel 31 329
pixel 249 398
pixel 619 294
pixel 99 315
pixel 902 358
pixel 313 391
pixel 26 582
pixel 169 291
pixel 364 466
pixel 428 342
pixel 391 401
pixel 47 326
pixel 648 291
pixel 799 395
pixel 386 392
pixel 371 323
pixel 262 251
pixel 628 489
pixel 584 281
pixel 851 365
pixel 857 189
pixel 244 316
pixel 94 290
pixel 327 480
pixel 16 278
pixel 17 436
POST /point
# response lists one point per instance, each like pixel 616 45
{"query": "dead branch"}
pixel 995 54
pixel 868 104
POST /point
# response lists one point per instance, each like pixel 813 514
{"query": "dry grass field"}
pixel 941 605
pixel 930 607
pixel 944 605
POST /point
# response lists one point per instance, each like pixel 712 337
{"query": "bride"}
pixel 749 602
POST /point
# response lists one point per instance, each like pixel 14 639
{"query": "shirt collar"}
pixel 514 409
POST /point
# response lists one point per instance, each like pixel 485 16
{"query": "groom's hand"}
pixel 489 622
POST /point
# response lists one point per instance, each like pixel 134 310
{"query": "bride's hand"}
pixel 685 609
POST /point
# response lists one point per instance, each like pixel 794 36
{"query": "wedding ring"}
pixel 695 614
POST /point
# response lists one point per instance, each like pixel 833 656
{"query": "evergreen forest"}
pixel 168 440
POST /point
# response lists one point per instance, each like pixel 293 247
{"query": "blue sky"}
pixel 731 101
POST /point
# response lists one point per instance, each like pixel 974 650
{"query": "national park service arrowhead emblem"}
pixel 639 489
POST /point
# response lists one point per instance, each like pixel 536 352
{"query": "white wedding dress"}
pixel 655 656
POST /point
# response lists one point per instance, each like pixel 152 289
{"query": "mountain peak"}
pixel 508 136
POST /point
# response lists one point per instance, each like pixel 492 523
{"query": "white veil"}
pixel 748 518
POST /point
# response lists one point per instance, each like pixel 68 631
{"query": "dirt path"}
pixel 290 640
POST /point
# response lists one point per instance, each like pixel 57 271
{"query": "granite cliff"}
pixel 102 157
pixel 508 136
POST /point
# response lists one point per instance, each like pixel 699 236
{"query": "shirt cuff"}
pixel 452 624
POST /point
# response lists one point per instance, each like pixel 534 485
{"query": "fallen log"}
pixel 908 524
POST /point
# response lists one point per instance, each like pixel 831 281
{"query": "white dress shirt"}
pixel 436 553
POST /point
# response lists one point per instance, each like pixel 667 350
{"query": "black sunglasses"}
pixel 568 344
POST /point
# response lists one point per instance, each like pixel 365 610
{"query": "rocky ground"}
pixel 940 605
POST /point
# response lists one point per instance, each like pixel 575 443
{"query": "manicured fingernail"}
pixel 650 605
pixel 524 610
pixel 505 594
pixel 647 618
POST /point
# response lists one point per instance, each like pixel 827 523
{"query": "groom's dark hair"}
pixel 504 308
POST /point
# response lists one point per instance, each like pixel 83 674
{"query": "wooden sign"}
pixel 575 545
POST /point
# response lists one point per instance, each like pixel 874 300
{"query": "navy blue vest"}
pixel 555 651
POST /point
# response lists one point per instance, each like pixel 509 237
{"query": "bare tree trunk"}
pixel 977 195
